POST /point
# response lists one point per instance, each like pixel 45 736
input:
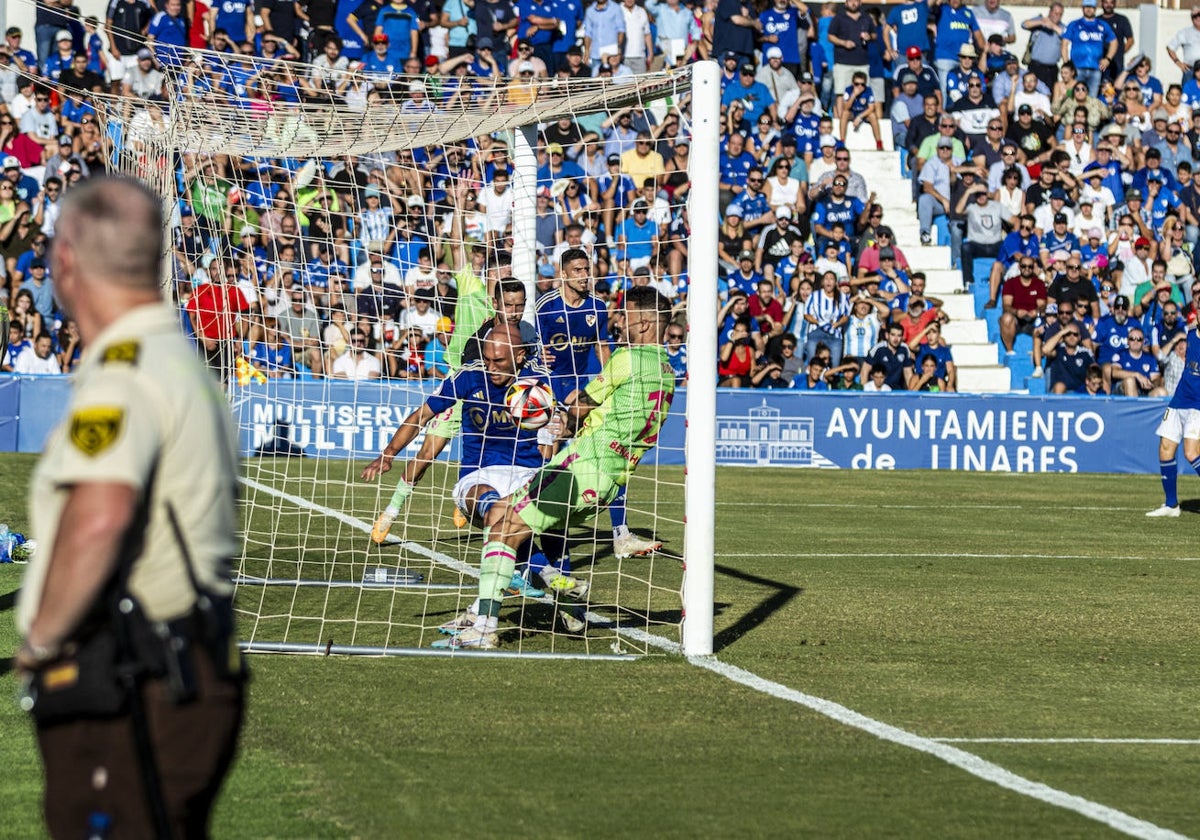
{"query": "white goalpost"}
pixel 339 219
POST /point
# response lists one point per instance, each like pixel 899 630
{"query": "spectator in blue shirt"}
pixel 1090 45
pixel 907 26
pixel 755 96
pixel 956 28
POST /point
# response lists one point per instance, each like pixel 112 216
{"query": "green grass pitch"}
pixel 951 605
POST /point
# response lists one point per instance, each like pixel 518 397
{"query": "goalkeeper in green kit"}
pixel 618 416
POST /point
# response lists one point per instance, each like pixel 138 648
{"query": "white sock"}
pixel 620 532
pixel 474 608
pixel 392 511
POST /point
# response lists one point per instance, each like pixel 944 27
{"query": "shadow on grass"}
pixel 782 594
pixel 1190 505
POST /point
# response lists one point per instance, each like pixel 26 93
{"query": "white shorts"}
pixel 504 479
pixel 119 67
pixel 1179 423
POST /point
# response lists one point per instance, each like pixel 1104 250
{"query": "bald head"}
pixel 113 228
pixel 503 352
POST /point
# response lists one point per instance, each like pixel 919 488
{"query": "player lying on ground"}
pixel 621 412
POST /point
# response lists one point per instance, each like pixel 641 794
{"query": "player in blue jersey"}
pixel 1181 422
pixel 498 456
pixel 573 326
pixel 236 17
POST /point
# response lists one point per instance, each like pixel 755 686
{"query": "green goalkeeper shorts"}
pixel 447 424
pixel 567 490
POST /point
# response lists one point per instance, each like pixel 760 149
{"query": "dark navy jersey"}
pixel 572 334
pixel 489 435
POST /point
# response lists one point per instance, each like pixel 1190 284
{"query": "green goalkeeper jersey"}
pixel 471 311
pixel 633 395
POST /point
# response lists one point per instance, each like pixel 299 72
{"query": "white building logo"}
pixel 762 437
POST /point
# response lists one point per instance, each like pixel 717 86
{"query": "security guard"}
pixel 136 489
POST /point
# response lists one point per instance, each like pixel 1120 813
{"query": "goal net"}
pixel 362 220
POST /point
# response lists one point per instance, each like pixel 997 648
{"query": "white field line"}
pixel 971 763
pixel 801 555
pixel 942 508
pixel 1187 742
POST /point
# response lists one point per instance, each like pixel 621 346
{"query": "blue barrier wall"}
pixel 995 433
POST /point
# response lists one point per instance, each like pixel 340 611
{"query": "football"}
pixel 530 403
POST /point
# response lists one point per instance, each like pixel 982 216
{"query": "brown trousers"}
pixel 92 765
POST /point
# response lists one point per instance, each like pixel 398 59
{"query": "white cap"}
pixel 11 162
pixel 416 86
pixel 63 35
pixel 525 67
pixel 828 140
pixel 774 52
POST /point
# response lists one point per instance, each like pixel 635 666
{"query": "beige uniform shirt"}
pixel 145 409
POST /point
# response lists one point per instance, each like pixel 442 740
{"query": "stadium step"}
pixel 985 379
pixel 862 138
pixel 974 355
pixel 973 331
pixel 978 359
pixel 958 307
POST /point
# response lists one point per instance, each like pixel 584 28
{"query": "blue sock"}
pixel 485 501
pixel 1195 465
pixel 616 510
pixel 554 548
pixel 1169 470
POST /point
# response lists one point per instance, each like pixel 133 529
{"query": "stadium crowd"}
pixel 1068 168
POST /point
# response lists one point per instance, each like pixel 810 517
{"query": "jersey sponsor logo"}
pixel 95 429
pixel 124 352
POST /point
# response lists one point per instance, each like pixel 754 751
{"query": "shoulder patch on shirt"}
pixel 95 429
pixel 124 352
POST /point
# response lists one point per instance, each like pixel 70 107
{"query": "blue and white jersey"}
pixel 1150 87
pixel 569 14
pixel 376 224
pixel 267 358
pixel 1144 363
pixel 865 99
pixel 748 283
pixel 170 36
pixel 725 331
pixel 490 438
pixel 957 81
pixel 827 310
pixel 829 212
pixel 1089 39
pixel 861 335
pixel 735 169
pixel 955 28
pixel 572 334
pixel 1187 393
pixel 231 16
pixel 752 206
pixel 381 69
pixel 911 25
pixel 1112 337
pixel 678 362
pixel 55 65
pixel 785 25
pixel 1052 242
pixel 941 353
pixel 808 133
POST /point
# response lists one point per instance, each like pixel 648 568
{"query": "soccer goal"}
pixel 360 217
